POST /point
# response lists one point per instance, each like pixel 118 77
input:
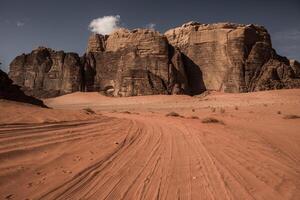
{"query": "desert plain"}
pixel 211 146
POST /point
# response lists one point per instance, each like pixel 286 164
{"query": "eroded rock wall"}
pixel 137 62
pixel 229 56
pixel 47 73
pixel 185 60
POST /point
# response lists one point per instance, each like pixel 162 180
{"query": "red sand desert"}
pixel 129 149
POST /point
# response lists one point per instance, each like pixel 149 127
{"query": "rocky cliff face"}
pixel 138 62
pixel 13 92
pixel 231 58
pixel 189 59
pixel 47 73
pixel 295 66
pixel 96 43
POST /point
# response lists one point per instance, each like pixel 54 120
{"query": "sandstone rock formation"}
pixel 96 43
pixel 295 66
pixel 137 62
pixel 231 58
pixel 47 73
pixel 189 59
pixel 12 92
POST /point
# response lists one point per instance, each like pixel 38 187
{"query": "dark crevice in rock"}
pixel 194 76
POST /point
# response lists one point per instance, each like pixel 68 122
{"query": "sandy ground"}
pixel 130 149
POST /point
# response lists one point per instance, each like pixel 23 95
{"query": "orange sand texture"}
pixel 249 147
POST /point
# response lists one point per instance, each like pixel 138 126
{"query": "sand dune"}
pixel 130 149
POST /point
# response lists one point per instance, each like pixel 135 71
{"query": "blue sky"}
pixel 63 25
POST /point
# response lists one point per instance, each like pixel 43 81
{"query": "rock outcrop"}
pixel 295 66
pixel 231 58
pixel 47 73
pixel 185 60
pixel 137 62
pixel 12 92
pixel 96 43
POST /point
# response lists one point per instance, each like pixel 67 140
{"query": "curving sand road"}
pixel 147 155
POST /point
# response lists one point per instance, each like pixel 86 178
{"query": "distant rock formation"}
pixel 295 66
pixel 137 62
pixel 185 60
pixel 47 73
pixel 231 58
pixel 12 92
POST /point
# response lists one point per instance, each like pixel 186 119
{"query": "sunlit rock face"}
pixel 137 62
pixel 96 43
pixel 231 57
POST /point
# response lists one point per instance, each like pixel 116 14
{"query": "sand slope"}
pixel 143 154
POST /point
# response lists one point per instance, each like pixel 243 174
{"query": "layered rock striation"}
pixel 185 60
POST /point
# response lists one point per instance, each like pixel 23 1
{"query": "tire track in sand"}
pixel 139 157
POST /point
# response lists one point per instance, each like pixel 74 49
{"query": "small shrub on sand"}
pixel 194 117
pixel 279 112
pixel 209 120
pixel 265 105
pixel 126 112
pixel 291 117
pixel 173 114
pixel 236 108
pixel 222 110
pixel 213 109
pixel 89 111
pixel 193 110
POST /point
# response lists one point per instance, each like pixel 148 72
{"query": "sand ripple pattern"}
pixel 142 158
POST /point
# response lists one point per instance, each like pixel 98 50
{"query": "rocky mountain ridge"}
pixel 185 60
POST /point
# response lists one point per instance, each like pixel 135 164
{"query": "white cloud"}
pixel 105 25
pixel 151 26
pixel 20 24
